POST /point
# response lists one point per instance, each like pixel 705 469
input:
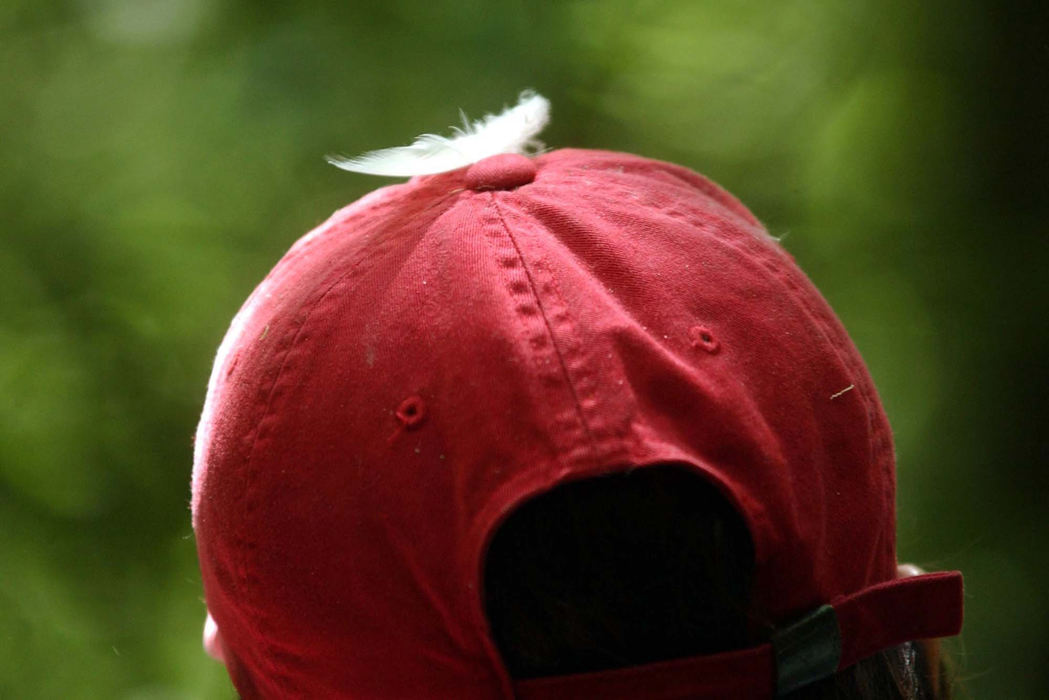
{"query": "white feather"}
pixel 513 131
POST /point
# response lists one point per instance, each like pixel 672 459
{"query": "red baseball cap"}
pixel 443 350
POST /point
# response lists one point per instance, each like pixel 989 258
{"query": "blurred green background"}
pixel 158 156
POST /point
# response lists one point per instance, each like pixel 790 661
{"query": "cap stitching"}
pixel 549 328
pixel 607 440
pixel 259 431
pixel 263 427
pixel 293 338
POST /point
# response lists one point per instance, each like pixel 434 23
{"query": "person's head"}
pixel 564 426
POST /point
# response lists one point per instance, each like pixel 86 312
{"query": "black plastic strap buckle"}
pixel 807 651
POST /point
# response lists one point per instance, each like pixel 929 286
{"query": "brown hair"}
pixel 644 566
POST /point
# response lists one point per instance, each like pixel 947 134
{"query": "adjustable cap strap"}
pixel 891 613
pixel 853 627
pixel 808 650
pixel 831 638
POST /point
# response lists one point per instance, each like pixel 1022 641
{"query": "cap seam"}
pixel 359 261
pixel 262 428
pixel 577 405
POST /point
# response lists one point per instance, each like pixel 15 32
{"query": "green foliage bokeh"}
pixel 159 156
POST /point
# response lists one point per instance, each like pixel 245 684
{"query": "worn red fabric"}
pixel 894 612
pixel 442 350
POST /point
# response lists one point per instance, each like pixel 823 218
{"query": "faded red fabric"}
pixel 442 350
pixel 894 612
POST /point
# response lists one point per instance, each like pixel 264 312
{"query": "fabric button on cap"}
pixel 502 172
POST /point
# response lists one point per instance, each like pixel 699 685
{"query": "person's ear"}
pixel 213 639
pixel 930 647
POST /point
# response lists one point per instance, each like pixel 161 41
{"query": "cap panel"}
pixel 643 257
pixel 243 380
pixel 356 516
pixel 304 507
pixel 250 329
pixel 566 159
